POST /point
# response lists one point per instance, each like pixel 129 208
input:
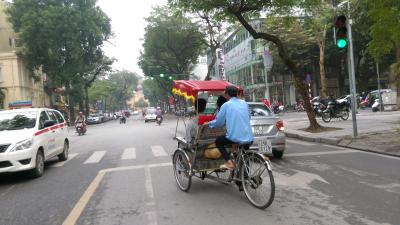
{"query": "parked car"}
pixel 29 137
pixel 135 113
pixel 94 119
pixel 150 115
pixel 267 127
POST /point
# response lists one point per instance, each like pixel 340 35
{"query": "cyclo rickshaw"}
pixel 252 172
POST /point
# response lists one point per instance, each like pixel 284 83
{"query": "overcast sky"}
pixel 127 21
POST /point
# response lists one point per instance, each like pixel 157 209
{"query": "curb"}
pixel 335 142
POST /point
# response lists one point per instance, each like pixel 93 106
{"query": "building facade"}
pixel 246 62
pixel 16 82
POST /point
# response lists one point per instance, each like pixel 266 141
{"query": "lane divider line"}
pixel 151 214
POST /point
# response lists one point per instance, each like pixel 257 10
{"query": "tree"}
pixel 125 82
pixel 385 34
pixel 153 92
pixel 101 90
pixel 242 10
pixel 317 22
pixel 99 69
pixel 61 38
pixel 213 31
pixel 172 45
pixel 142 103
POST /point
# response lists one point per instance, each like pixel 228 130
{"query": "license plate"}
pixel 265 146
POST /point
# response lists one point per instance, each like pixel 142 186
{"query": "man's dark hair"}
pixel 231 90
pixel 220 101
pixel 200 105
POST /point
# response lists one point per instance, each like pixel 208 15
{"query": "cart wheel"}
pixel 258 181
pixel 182 170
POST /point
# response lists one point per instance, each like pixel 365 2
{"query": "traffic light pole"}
pixel 352 78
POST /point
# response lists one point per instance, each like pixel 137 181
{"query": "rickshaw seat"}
pixel 205 118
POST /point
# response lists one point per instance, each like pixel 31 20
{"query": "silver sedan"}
pixel 268 129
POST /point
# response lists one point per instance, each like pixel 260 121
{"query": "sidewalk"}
pixel 378 132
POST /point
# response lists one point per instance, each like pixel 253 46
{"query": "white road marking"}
pixel 320 153
pixel 152 214
pixel 70 157
pixel 300 142
pixel 158 151
pixel 129 153
pixel 95 157
pixel 151 218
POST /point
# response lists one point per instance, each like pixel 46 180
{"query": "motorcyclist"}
pixel 81 119
pixel 159 113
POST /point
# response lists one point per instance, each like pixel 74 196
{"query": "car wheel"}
pixel 39 165
pixel 277 154
pixel 145 121
pixel 64 155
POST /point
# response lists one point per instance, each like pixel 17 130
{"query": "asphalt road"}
pixel 122 174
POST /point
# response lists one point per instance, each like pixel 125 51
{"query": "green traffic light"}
pixel 161 75
pixel 341 43
pixel 170 77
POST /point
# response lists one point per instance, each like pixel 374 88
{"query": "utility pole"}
pixel 352 78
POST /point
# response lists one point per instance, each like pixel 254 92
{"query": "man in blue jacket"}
pixel 234 114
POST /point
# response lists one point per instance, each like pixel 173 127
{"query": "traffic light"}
pixel 170 77
pixel 161 75
pixel 341 32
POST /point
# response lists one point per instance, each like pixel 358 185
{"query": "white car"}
pixel 29 137
pixel 150 115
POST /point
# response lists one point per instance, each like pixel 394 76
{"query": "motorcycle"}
pixel 376 106
pixel 299 107
pixel 80 129
pixel 319 105
pixel 336 109
pixel 277 108
pixel 122 120
pixel 159 120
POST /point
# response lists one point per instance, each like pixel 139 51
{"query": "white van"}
pixel 29 137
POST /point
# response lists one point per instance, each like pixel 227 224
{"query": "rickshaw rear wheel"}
pixel 182 172
pixel 258 181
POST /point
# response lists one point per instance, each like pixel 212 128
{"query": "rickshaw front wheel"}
pixel 182 172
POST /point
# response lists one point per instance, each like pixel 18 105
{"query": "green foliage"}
pixel 172 44
pixel 117 88
pixel 125 82
pixel 63 38
pixel 153 92
pixel 385 30
pixel 142 103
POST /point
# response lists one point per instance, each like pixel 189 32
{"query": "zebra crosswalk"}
pixel 157 151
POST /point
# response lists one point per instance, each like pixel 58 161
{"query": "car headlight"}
pixel 22 145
